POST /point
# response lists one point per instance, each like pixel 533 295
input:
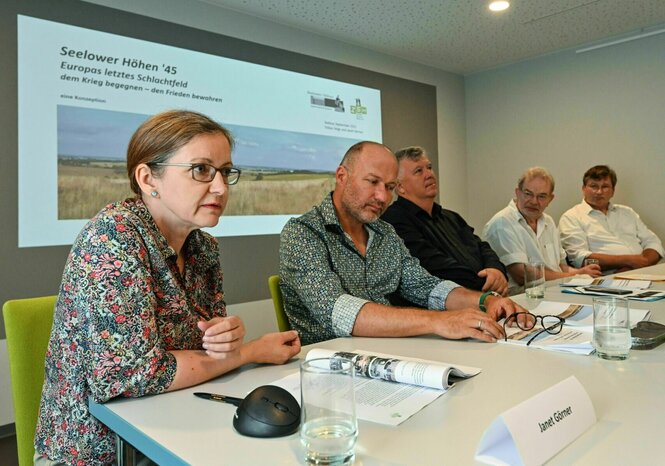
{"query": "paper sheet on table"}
pixel 642 276
pixel 569 340
pixel 609 283
pixel 581 315
pixel 635 295
pixel 379 401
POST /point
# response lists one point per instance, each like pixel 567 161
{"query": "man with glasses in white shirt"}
pixel 522 232
pixel 611 233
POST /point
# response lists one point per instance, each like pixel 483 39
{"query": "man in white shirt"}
pixel 611 233
pixel 522 232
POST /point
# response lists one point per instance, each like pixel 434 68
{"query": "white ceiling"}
pixel 461 36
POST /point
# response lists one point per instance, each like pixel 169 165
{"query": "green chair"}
pixel 276 294
pixel 28 325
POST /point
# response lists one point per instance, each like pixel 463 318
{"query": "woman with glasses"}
pixel 141 307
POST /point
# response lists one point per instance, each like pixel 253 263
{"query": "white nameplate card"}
pixel 538 428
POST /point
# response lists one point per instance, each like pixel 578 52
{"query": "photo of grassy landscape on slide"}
pixel 283 172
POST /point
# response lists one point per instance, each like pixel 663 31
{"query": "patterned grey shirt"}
pixel 325 280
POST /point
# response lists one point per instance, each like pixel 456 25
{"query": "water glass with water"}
pixel 589 261
pixel 534 280
pixel 611 327
pixel 329 428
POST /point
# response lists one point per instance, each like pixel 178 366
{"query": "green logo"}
pixel 358 110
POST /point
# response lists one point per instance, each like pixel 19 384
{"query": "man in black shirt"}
pixel 440 238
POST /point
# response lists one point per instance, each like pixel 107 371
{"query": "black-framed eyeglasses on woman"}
pixel 527 321
pixel 205 173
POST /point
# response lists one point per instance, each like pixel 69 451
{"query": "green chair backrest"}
pixel 28 325
pixel 276 293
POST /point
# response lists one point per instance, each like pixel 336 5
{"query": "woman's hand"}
pixel 222 336
pixel 272 348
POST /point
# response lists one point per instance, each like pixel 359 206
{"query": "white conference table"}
pixel 628 396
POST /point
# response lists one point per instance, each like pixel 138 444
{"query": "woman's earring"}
pixel 154 194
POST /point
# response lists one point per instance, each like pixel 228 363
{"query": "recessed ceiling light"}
pixel 499 5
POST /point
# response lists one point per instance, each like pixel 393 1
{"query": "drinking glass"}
pixel 329 428
pixel 588 262
pixel 534 280
pixel 591 262
pixel 611 327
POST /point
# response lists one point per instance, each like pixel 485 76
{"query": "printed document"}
pixel 576 334
pixel 581 315
pixel 631 293
pixel 642 276
pixel 568 340
pixel 609 283
pixel 390 402
pixel 403 370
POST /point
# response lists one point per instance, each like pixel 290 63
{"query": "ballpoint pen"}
pixel 221 398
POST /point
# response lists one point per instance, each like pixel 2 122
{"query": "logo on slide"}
pixel 358 109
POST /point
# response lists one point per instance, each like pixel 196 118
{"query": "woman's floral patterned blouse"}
pixel 123 305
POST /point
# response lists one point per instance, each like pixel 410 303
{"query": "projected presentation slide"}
pixel 82 93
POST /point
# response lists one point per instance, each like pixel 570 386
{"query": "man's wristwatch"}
pixel 483 297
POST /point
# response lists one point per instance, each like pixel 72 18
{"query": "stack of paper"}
pixel 576 334
pixel 580 316
pixel 608 283
pixel 626 288
pixel 569 340
pixel 642 276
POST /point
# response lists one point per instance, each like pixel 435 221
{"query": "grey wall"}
pixel 568 112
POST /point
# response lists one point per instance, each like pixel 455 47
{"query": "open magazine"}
pixel 576 334
pixel 403 370
pixel 378 398
pixel 581 315
pixel 569 340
